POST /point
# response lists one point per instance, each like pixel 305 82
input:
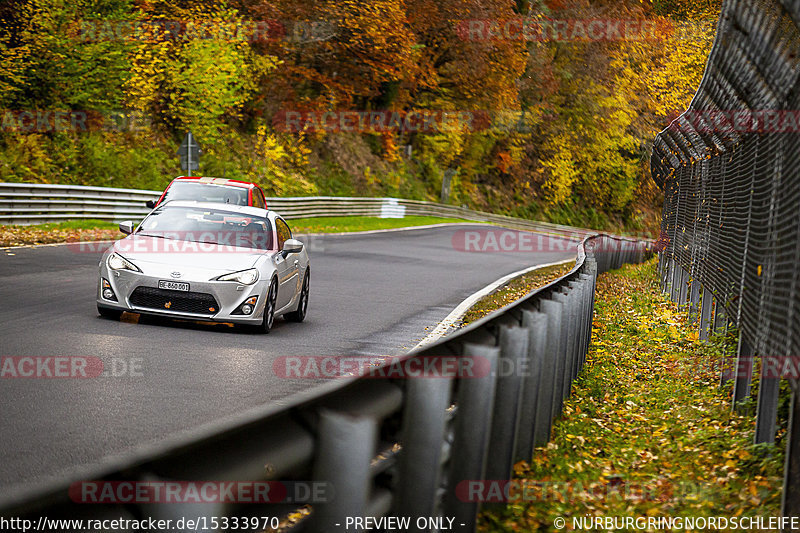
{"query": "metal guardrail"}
pixel 386 447
pixel 37 203
pixel 731 225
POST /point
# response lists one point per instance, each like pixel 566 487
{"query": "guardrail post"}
pixel 742 372
pixel 592 272
pixel 507 401
pixel 705 314
pixel 475 399
pixel 568 339
pixel 423 436
pixel 555 311
pixel 581 287
pixel 790 504
pixel 346 447
pixel 767 410
pixel 573 334
pixel 578 333
pixel 587 314
pixel 537 409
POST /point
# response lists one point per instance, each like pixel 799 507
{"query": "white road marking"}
pixel 463 307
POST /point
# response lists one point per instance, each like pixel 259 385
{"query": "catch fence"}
pixel 730 244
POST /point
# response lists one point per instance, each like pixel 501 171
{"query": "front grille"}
pixel 165 300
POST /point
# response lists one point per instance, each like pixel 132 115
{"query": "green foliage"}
pixel 55 62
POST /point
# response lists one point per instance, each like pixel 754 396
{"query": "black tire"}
pixel 111 314
pixel 269 309
pixel 302 306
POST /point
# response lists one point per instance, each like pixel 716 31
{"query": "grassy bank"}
pixel 647 432
pixel 515 290
pixel 98 230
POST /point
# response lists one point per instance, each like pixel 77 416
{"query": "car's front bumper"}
pixel 216 301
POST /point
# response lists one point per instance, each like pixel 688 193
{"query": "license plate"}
pixel 173 285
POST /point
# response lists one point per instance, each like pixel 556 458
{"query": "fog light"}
pixel 247 307
pixel 108 293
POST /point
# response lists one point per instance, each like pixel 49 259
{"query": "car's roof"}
pixel 217 181
pixel 232 208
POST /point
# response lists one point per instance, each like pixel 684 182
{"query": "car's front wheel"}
pixel 105 312
pixel 269 308
pixel 302 305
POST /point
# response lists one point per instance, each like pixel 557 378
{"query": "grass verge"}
pixel 515 290
pixel 98 230
pixel 647 431
pixel 349 224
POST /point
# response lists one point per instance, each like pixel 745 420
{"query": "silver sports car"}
pixel 207 261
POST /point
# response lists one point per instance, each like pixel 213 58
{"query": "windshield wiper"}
pixel 154 235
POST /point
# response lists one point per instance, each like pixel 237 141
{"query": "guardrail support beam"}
pixel 508 401
pixel 347 445
pixel 554 311
pixel 471 435
pixel 567 343
pixel 423 437
pixel 537 393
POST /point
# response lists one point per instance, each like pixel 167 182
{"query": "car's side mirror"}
pixel 126 227
pixel 150 203
pixel 292 246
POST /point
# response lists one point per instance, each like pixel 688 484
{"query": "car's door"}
pixel 288 266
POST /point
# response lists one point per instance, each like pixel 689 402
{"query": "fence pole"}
pixel 682 292
pixel 475 399
pixel 720 317
pixel 742 372
pixel 666 280
pixel 347 445
pixel 767 411
pixel 694 300
pixel 790 505
pixel 705 314
pixel 423 435
pixel 675 281
pixel 507 401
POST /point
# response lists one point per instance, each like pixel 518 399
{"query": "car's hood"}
pixel 152 253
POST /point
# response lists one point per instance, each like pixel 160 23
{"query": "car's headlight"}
pixel 117 262
pixel 245 277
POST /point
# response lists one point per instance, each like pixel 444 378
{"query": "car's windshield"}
pixel 204 225
pixel 206 192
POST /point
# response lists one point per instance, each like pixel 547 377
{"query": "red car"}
pixel 218 190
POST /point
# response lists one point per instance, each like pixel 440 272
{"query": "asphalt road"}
pixel 370 294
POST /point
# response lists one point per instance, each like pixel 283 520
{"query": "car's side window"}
pixel 284 233
pixel 258 200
